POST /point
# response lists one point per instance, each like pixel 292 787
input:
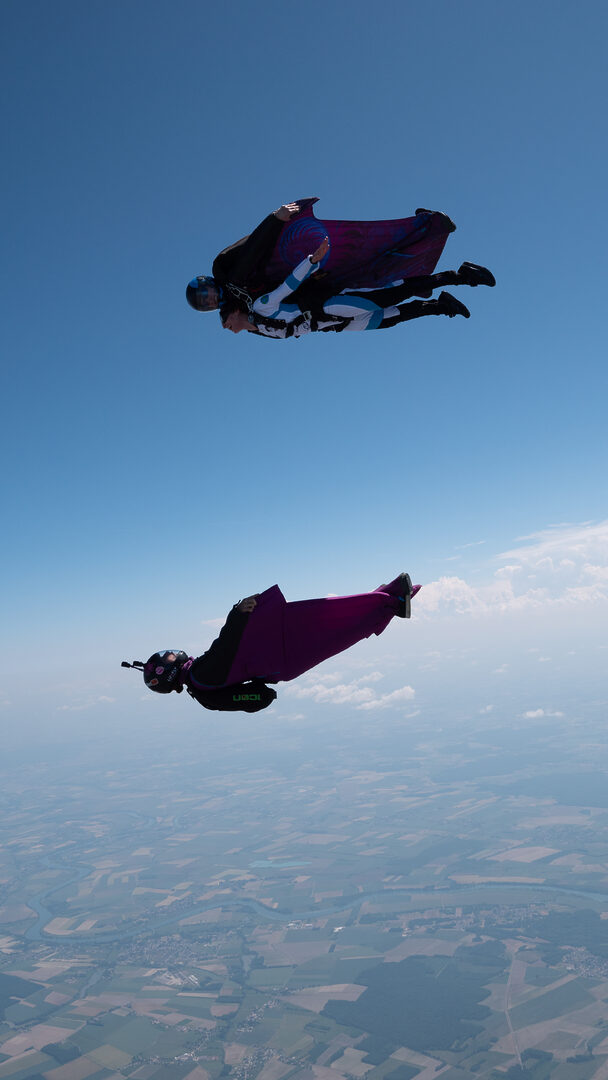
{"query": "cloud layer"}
pixel 328 690
pixel 560 566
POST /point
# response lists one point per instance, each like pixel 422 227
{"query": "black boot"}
pixel 450 306
pixel 449 224
pixel 472 274
pixel 405 597
pixel 416 309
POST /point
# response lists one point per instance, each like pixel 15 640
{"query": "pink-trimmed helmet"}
pixel 161 671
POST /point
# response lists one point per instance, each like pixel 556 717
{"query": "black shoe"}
pixel 449 224
pixel 472 274
pixel 450 306
pixel 405 597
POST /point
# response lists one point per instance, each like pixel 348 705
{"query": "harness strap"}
pixel 240 295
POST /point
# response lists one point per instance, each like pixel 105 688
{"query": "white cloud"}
pixel 386 701
pixel 357 693
pixel 486 709
pixel 330 678
pixel 101 700
pixel 562 566
pixel 599 573
pixel 571 541
pixel 374 676
pixel 537 714
pixel 450 595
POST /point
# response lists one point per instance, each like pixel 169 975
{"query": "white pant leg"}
pixel 363 313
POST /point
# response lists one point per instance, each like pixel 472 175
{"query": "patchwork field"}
pixel 328 914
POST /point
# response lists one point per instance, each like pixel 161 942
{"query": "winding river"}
pixel 440 896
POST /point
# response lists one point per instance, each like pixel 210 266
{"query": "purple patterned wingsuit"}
pixel 363 254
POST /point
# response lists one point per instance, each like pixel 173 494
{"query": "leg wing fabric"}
pixel 283 640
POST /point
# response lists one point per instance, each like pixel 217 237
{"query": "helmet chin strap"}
pixel 136 664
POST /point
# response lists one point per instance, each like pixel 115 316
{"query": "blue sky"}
pixel 158 467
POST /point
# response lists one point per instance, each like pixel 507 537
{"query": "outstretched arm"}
pixel 269 305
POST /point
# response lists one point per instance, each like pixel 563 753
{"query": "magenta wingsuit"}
pixel 282 641
pixel 278 641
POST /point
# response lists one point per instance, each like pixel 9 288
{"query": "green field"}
pixel 573 995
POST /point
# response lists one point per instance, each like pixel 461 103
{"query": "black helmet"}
pixel 197 293
pixel 161 671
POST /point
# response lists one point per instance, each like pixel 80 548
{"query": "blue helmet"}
pixel 199 293
pixel 161 671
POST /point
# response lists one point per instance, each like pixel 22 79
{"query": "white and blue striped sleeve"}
pixel 271 303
